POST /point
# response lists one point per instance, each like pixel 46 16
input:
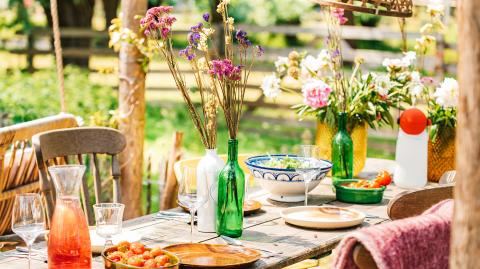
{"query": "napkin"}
pixel 417 242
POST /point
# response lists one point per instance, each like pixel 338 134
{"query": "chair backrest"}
pixel 409 204
pixel 18 169
pixel 73 146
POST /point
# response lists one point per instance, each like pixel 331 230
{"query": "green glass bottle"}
pixel 342 150
pixel 231 188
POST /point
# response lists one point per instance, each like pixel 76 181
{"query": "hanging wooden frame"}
pixel 392 8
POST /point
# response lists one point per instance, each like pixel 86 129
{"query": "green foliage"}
pixel 443 118
pixel 25 96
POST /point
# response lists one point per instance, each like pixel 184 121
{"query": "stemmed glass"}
pixel 28 219
pixel 108 219
pixel 310 153
pixel 189 196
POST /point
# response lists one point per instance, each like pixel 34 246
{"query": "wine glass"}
pixel 108 219
pixel 310 154
pixel 189 195
pixel 28 219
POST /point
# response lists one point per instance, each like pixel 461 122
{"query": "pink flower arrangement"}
pixel 315 93
pixel 340 15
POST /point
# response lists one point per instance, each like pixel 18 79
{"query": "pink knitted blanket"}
pixel 417 242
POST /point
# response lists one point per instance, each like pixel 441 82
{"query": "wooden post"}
pixel 169 199
pixel 132 109
pixel 465 245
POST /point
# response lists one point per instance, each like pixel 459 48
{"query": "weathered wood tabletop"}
pixel 264 230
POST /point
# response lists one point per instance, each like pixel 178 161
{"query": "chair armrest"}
pixel 416 202
pixel 362 258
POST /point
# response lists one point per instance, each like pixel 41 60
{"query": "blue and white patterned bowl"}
pixel 286 185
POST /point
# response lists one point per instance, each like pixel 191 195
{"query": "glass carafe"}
pixel 342 150
pixel 69 240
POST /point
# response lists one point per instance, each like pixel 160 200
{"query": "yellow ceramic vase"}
pixel 359 134
pixel 441 155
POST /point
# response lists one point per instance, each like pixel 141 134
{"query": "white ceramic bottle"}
pixel 412 150
pixel 208 169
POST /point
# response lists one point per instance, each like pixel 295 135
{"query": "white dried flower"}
pixel 271 86
pixel 281 64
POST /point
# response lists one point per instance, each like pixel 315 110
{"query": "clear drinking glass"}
pixel 310 153
pixel 28 219
pixel 188 195
pixel 108 219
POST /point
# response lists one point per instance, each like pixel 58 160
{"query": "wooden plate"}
pixel 322 217
pixel 213 256
pixel 251 207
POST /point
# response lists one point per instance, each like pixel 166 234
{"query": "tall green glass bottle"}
pixel 231 188
pixel 342 150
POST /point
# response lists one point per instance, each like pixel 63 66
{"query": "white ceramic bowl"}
pixel 286 185
pixel 286 191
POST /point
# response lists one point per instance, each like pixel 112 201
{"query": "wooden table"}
pixel 265 230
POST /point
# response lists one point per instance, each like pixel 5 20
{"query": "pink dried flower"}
pixel 339 14
pixel 157 21
pixel 316 93
pixel 225 69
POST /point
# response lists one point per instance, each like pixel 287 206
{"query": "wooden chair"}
pixel 18 169
pixel 406 205
pixel 71 146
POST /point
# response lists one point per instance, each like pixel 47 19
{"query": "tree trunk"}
pixel 132 108
pixel 216 20
pixel 465 245
pixel 73 14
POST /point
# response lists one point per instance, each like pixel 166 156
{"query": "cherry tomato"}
pixel 374 185
pixel 123 246
pixel 162 260
pixel 116 256
pixel 135 261
pixel 150 264
pixel 147 255
pixel 137 248
pixel 384 178
pixel 156 252
pixel 129 254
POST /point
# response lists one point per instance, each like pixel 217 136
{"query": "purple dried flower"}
pixel 260 50
pixel 193 38
pixel 197 28
pixel 241 37
pixel 206 16
pixel 188 53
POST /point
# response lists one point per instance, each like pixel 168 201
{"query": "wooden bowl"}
pixel 214 255
pixel 109 264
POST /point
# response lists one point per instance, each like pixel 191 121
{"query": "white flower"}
pixel 311 64
pixel 383 84
pixel 416 86
pixel 271 86
pixel 447 94
pixel 395 63
pixel 409 58
pixel 324 58
pixel 435 7
pixel 281 64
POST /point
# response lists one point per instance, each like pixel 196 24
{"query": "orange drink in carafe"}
pixel 69 240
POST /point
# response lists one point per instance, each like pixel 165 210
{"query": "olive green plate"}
pixel 357 195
